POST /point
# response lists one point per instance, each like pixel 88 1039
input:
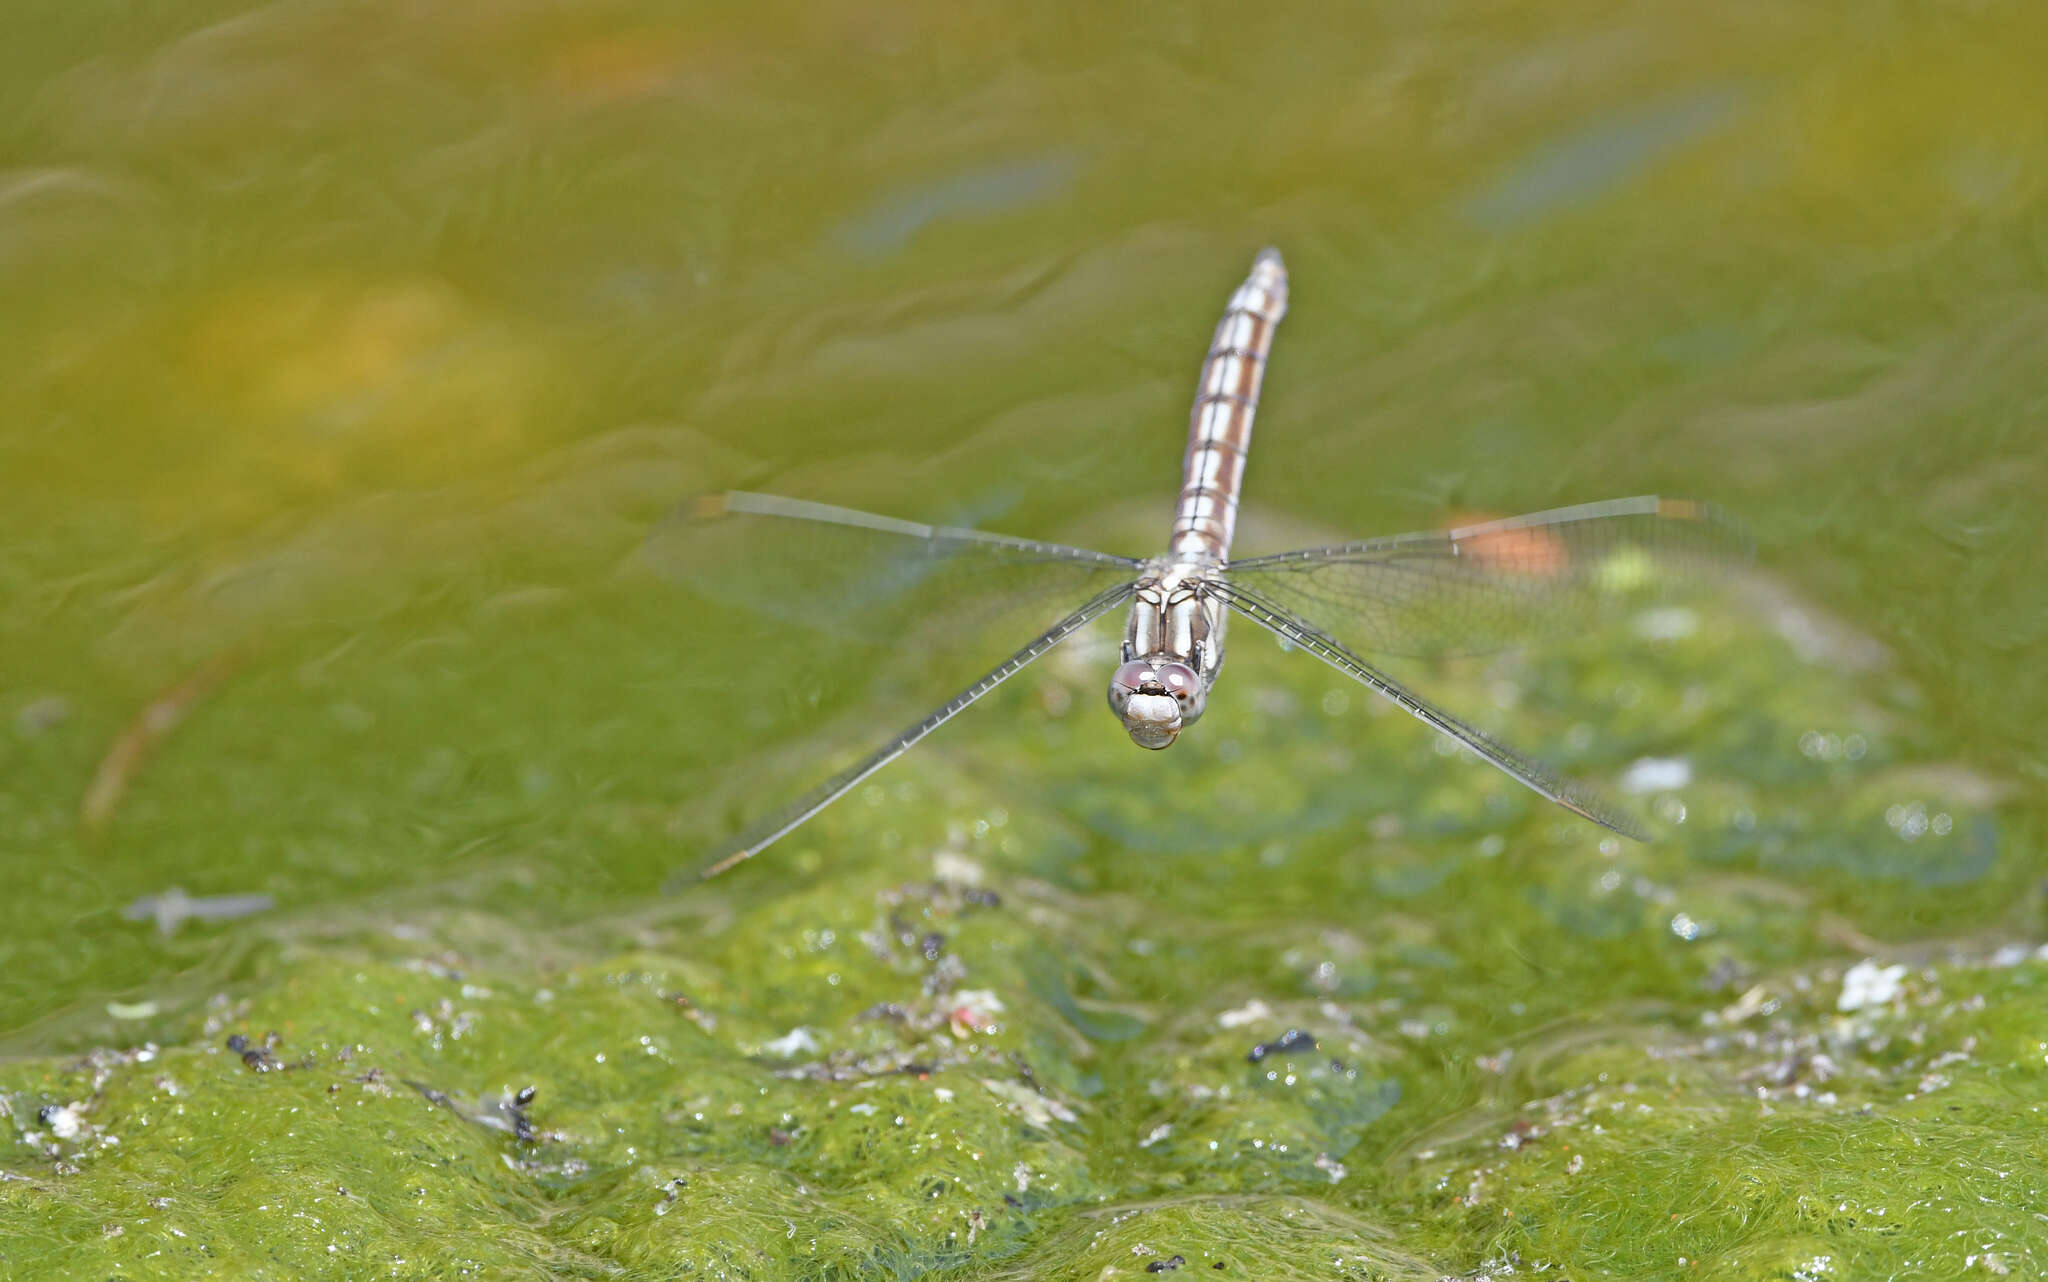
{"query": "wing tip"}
pixel 1625 824
pixel 1714 515
pixel 728 862
pixel 1612 818
pixel 682 879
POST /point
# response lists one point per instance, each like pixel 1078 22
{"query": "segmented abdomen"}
pixel 1220 430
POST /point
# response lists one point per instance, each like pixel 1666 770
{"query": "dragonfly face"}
pixel 1156 698
pixel 1171 654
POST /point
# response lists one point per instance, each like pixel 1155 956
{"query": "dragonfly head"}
pixel 1156 698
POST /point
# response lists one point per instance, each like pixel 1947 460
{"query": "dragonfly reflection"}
pixel 1457 591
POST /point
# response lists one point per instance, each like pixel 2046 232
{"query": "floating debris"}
pixel 1251 1012
pixel 40 715
pixel 1598 157
pixel 1039 1110
pixel 1869 984
pixel 258 1058
pixel 64 1120
pixel 974 1011
pixel 1168 1265
pixel 1667 623
pixel 952 868
pixel 506 1114
pixel 893 221
pixel 1656 774
pixel 131 748
pixel 669 1193
pixel 174 908
pixel 1291 1040
pixel 797 1041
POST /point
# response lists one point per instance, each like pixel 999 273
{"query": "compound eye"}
pixel 1127 681
pixel 1132 677
pixel 1179 680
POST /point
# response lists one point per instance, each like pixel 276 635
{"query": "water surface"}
pixel 352 351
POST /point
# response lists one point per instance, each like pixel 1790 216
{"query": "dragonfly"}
pixel 1472 589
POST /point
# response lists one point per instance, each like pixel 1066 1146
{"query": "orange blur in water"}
pixel 1529 550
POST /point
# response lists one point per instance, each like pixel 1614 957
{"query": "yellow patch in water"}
pixel 320 388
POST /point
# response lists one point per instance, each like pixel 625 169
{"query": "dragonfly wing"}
pixel 777 825
pixel 1485 587
pixel 802 630
pixel 1517 765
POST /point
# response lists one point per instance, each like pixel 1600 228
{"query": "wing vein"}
pixel 743 501
pixel 1518 766
pixel 780 824
pixel 1488 586
pixel 1577 513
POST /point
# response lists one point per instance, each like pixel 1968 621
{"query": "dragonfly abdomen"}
pixel 1226 398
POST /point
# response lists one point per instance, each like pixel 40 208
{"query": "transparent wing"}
pixel 819 642
pixel 1481 588
pixel 1518 766
pixel 767 831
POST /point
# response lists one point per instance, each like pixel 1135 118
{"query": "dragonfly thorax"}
pixel 1171 653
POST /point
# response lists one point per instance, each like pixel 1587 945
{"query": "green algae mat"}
pixel 356 755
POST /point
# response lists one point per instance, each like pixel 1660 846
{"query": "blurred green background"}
pixel 349 352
